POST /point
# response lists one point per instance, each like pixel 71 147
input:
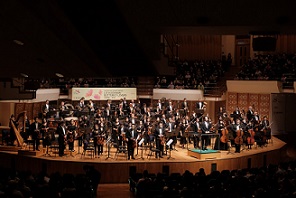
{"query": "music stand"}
pixel 108 143
pixel 168 144
pixel 229 148
pixel 174 133
pixel 142 148
pixel 187 136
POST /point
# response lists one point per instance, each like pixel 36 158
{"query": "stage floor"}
pixel 117 164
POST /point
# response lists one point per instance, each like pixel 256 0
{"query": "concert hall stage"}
pixel 117 169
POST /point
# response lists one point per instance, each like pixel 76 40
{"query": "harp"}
pixel 17 131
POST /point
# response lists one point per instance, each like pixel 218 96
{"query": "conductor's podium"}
pixel 204 154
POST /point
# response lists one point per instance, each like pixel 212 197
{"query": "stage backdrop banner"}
pixel 103 93
pixel 178 94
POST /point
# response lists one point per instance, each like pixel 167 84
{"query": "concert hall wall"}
pixel 283 108
pixel 260 102
pixel 205 47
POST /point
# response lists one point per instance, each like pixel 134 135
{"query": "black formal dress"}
pixel 61 130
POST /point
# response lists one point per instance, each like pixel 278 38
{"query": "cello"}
pixel 224 138
pixel 251 139
pixel 239 137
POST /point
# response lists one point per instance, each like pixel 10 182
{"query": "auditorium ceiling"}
pixel 115 38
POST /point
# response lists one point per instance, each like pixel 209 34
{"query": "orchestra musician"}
pixel 205 129
pixel 266 129
pixel 44 133
pixel 46 108
pixel 101 137
pixel 222 113
pixel 185 106
pixel 71 134
pixel 63 108
pixel 25 134
pixel 237 133
pixel 36 135
pixel 115 134
pixel 200 105
pixel 92 108
pixel 250 113
pixel 131 135
pixel 236 114
pixel 170 109
pixel 159 134
pixel 11 137
pixel 196 128
pixel 183 129
pixel 159 105
pixel 256 118
pixel 61 131
pixel 80 107
pixel 170 128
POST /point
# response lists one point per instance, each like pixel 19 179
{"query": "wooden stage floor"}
pixel 117 169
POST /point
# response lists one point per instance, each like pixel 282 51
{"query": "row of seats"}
pixel 270 181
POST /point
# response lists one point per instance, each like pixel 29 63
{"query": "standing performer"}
pixel 44 133
pixel 205 129
pixel 238 133
pixel 130 138
pixel 196 128
pixel 61 130
pixel 185 107
pixel 71 132
pixel 45 109
pixel 160 139
pixel 35 129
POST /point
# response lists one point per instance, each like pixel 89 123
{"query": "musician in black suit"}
pixel 236 131
pixel 159 134
pixel 61 130
pixel 45 109
pixel 200 105
pixel 80 107
pixel 185 107
pixel 35 129
pixel 196 128
pixel 92 108
pixel 236 114
pixel 250 113
pixel 205 129
pixel 131 135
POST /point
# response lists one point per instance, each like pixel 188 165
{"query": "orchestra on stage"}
pixel 162 126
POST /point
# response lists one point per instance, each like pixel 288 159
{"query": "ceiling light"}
pixel 18 42
pixel 24 75
pixel 59 75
